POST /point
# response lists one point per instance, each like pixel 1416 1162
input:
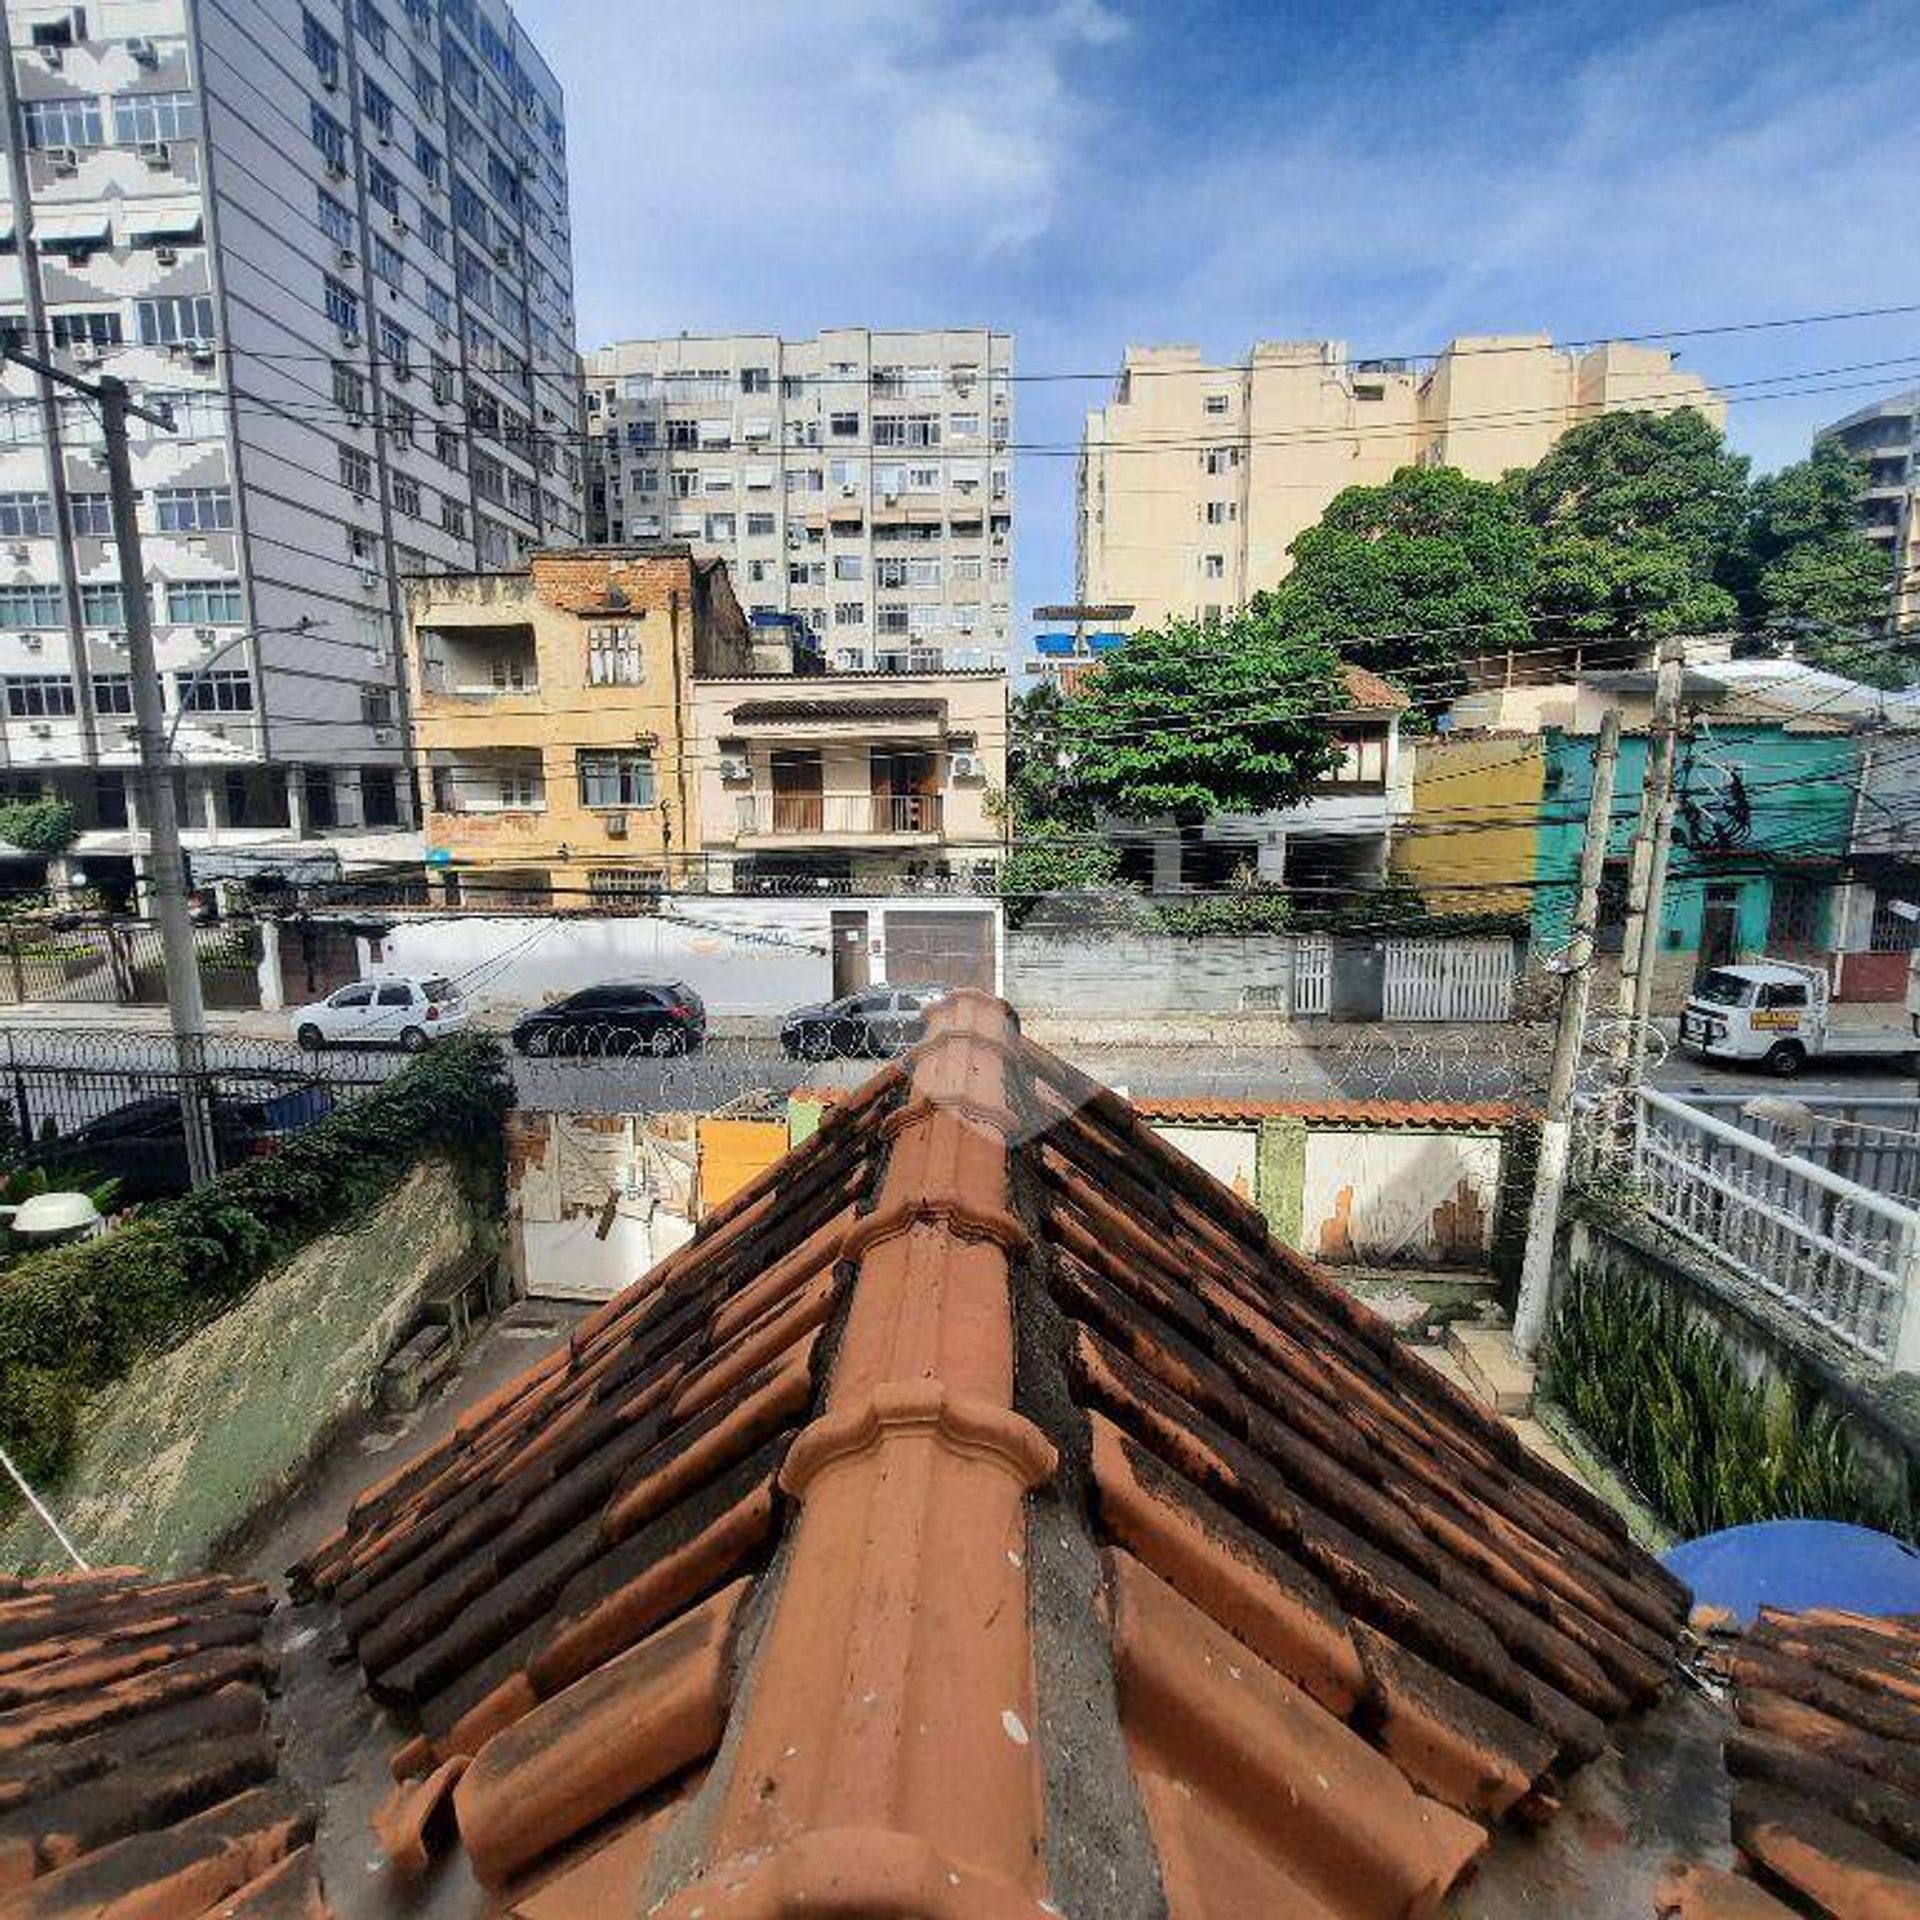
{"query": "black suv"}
pixel 622 1018
pixel 874 1021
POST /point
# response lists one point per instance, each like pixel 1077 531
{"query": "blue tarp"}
pixel 1055 645
pixel 1799 1563
pixel 1106 642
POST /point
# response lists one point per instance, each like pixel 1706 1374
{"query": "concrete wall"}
pixel 1470 781
pixel 1140 974
pixel 744 957
pixel 195 1441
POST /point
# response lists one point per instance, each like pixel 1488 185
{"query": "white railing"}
pixel 1449 980
pixel 1834 1253
pixel 1312 974
pixel 813 815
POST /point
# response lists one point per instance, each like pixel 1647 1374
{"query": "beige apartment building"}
pixel 1195 479
pixel 859 485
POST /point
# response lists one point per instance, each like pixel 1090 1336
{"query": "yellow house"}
pixel 1472 841
pixel 553 709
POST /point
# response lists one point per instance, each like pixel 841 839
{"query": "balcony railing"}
pixel 823 815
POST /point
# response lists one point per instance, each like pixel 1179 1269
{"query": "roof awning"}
pixel 71 231
pixel 1106 642
pixel 183 223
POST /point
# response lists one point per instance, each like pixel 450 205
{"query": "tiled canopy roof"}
pixel 983 1511
pixel 137 1775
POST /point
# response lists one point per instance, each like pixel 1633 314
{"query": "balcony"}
pixel 479 663
pixel 827 818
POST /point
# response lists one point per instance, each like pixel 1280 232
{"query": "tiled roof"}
pixel 984 1511
pixel 760 712
pixel 1202 1110
pixel 137 1775
pixel 1366 689
pixel 1826 1761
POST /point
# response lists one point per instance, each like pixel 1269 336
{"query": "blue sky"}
pixel 1089 173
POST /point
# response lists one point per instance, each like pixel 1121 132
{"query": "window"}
pixel 185 321
pixel 439 306
pixel 847 566
pixel 191 509
pixel 40 696
pixel 101 606
pixel 1220 513
pixel 24 515
pixel 389 263
pixel 335 221
pixel 756 380
pixel 71 330
pixel 719 527
pixel 342 305
pixel 760 526
pixel 395 347
pixel 328 135
pixel 376 705
pixel 113 694
pixel 453 517
pixel 63 123
pixel 221 690
pixel 1217 403
pixel 892 617
pixel 356 470
pixel 401 421
pixel 489 477
pixel 1363 763
pixel 91 513
pixel 849 613
pixel 1213 566
pixel 383 185
pixel 144 119
pixel 426 156
pixel 1783 994
pixel 616 779
pixel 349 389
pixel 31 604
pixel 406 494
pixel 615 657
pixel 204 603
pixel 376 106
pixel 322 48
pixel 1217 460
pixel 1796 913
pixel 433 234
pixel 844 426
pixel 446 446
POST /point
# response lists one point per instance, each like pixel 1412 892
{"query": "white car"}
pixel 396 1011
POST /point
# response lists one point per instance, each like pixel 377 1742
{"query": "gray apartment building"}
pixel 1885 438
pixel 859 482
pixel 333 237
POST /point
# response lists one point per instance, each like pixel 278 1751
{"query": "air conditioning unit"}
pixel 55 57
pixel 385 136
pixel 382 736
pixel 503 254
pixel 398 222
pixel 32 642
pixel 616 825
pixel 20 553
pixel 64 159
pixel 330 79
pixel 166 256
pixel 92 357
pixel 201 353
pixel 734 767
pixel 968 766
pixel 144 53
pixel 336 169
pixel 349 337
pixel 41 730
pixel 369 579
pixel 207 636
pixel 346 259
pixel 157 154
pixel 849 493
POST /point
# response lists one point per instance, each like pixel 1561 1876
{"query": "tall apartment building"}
pixel 1885 437
pixel 334 238
pixel 1195 479
pixel 860 483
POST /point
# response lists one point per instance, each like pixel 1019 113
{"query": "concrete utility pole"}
pixel 1576 984
pixel 1647 876
pixel 166 873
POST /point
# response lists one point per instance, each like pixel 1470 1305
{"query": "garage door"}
pixel 955 948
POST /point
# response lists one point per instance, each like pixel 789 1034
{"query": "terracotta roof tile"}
pixel 741 1593
pixel 1367 689
pixel 1826 1761
pixel 137 1773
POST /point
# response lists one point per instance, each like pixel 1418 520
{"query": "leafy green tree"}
pixel 1041 789
pixel 1807 573
pixel 1194 720
pixel 1640 516
pixel 39 826
pixel 1409 577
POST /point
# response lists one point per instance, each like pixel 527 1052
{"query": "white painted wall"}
pixel 1372 1198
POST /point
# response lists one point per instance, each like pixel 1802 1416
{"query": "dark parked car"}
pixel 620 1018
pixel 143 1144
pixel 874 1022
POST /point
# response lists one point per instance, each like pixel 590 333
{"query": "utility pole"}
pixel 166 873
pixel 1576 985
pixel 1647 875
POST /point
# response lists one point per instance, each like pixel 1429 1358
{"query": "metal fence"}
pixel 1870 1139
pixel 1841 1257
pixel 120 963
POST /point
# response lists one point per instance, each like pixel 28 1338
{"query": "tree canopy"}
pixel 1638 515
pixel 1409 577
pixel 1195 720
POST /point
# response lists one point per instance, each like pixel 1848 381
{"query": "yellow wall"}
pixel 734 1152
pixel 1471 844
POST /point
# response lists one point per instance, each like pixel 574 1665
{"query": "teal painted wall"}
pixel 1800 788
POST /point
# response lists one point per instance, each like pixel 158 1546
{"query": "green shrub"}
pixel 1658 1390
pixel 73 1319
pixel 39 826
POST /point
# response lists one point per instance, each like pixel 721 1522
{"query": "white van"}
pixel 1780 1013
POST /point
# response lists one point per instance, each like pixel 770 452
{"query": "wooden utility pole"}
pixel 1576 983
pixel 1647 874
